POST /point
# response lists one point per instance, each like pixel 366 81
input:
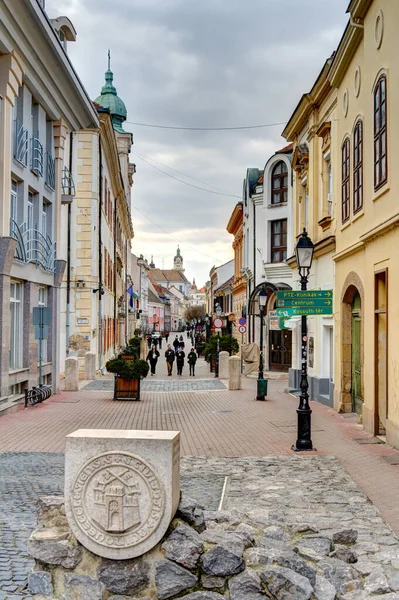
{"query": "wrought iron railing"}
pixel 50 171
pixel 21 144
pixel 67 183
pixel 37 157
pixel 33 246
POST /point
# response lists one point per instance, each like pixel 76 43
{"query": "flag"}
pixel 130 292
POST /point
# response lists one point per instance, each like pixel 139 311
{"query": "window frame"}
pixel 358 138
pixel 380 134
pixel 281 248
pixel 16 326
pixel 281 190
pixel 345 180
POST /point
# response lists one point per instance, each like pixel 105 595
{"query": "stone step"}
pixel 11 404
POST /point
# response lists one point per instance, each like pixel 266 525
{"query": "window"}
pixel 278 240
pixel 30 216
pixel 345 180
pixel 279 183
pixel 380 133
pixel 43 302
pixel 16 325
pixel 358 167
pixel 13 204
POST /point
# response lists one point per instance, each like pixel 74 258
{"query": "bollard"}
pixel 234 373
pixel 223 365
pixel 90 365
pixel 71 374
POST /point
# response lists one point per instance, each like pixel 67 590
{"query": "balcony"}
pixel 37 157
pixel 21 144
pixel 33 246
pixel 50 171
pixel 68 186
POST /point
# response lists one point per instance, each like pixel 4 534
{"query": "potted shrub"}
pixel 128 374
pixel 227 343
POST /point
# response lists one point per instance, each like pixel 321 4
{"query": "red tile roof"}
pixel 285 149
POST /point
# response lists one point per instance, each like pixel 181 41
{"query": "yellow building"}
pixel 235 227
pixel 365 73
pixel 312 129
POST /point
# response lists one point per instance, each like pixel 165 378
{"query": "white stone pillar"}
pixel 234 373
pixel 223 365
pixel 72 374
pixel 90 365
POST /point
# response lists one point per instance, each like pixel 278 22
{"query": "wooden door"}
pixel 280 345
pixel 357 400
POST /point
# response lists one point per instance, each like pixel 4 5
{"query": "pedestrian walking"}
pixel 176 344
pixel 160 342
pixel 149 339
pixel 167 336
pixel 152 358
pixel 170 357
pixel 181 345
pixel 180 362
pixel 192 359
pixel 188 334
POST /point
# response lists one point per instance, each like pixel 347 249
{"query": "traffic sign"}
pixel 218 323
pixel 242 329
pixel 242 321
pixel 306 303
pixel 302 294
pixel 299 312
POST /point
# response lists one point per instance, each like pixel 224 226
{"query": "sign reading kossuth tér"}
pixel 122 489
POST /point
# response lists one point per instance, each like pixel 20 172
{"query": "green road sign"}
pixel 307 303
pixel 302 295
pixel 298 312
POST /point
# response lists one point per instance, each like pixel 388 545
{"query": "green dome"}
pixel 110 99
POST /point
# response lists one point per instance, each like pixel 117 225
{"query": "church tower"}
pixel 178 261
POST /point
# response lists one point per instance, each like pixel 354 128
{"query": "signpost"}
pixel 242 321
pixel 218 323
pixel 310 311
pixel 304 295
pixel 303 303
pixel 41 319
pixel 242 329
pixel 292 303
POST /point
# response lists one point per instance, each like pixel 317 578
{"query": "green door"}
pixel 357 400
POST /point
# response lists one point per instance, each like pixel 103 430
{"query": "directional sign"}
pixel 298 312
pixel 242 321
pixel 304 295
pixel 242 329
pixel 306 303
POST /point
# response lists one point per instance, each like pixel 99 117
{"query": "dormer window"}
pixel 280 183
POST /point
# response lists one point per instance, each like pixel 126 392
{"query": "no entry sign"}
pixel 242 329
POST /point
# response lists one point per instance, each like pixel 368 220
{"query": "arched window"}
pixel 280 183
pixel 358 167
pixel 345 180
pixel 380 133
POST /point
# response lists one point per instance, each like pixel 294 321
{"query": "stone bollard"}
pixel 223 365
pixel 90 365
pixel 234 373
pixel 72 374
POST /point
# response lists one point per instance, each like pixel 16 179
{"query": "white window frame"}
pixel 16 327
pixel 43 301
pixel 30 215
pixel 14 201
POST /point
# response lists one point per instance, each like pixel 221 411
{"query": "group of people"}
pixel 177 354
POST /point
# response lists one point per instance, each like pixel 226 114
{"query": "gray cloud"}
pixel 215 63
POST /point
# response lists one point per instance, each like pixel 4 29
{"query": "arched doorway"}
pixel 352 387
pixel 356 375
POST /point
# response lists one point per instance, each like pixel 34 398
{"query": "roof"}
pixel 110 99
pixel 286 149
pixel 153 297
pixel 224 285
pixel 167 275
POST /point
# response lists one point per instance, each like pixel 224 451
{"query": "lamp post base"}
pixel 300 449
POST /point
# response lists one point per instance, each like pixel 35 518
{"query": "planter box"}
pixel 126 389
pixel 128 356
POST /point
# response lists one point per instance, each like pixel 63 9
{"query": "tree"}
pixel 193 312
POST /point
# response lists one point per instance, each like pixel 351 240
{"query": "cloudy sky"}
pixel 200 63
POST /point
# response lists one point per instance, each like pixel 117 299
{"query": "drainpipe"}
pixel 100 257
pixel 115 319
pixel 254 252
pixel 127 305
pixel 68 289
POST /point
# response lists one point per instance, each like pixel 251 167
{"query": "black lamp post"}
pixel 207 321
pixel 262 303
pixel 304 255
pixel 218 311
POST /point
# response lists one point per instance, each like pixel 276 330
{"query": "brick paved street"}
pixel 213 422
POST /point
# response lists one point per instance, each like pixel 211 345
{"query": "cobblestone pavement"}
pixel 160 385
pixel 26 475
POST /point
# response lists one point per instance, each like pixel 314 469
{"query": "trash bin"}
pixel 261 389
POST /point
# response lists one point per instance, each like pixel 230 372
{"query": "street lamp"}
pixel 218 311
pixel 261 386
pixel 304 255
pixel 207 321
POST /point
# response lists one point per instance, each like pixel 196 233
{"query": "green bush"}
pixel 128 369
pixel 133 346
pixel 227 343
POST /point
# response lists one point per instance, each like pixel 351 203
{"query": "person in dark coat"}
pixel 192 359
pixel 152 358
pixel 170 357
pixel 149 341
pixel 180 361
pixel 167 336
pixel 181 344
pixel 176 344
